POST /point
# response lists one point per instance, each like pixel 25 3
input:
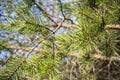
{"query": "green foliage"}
pixel 90 37
pixel 41 66
pixel 9 67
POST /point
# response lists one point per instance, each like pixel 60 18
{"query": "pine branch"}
pixel 51 18
pixel 20 64
pixel 94 56
pixel 112 26
pixel 17 68
pixel 9 66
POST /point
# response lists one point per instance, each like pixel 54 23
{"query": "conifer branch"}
pixel 17 68
pixel 95 56
pixel 21 63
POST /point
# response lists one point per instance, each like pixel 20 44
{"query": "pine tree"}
pixel 71 40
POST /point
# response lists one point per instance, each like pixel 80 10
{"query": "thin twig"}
pixel 61 7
